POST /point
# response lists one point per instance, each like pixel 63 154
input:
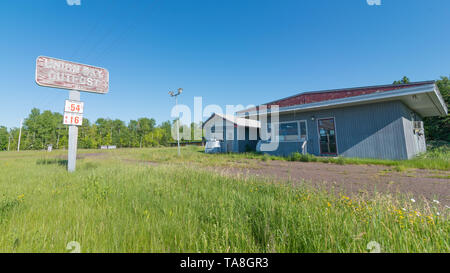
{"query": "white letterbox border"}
pixel 68 103
pixel 70 118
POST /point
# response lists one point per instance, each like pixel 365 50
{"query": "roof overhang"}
pixel 426 100
pixel 241 122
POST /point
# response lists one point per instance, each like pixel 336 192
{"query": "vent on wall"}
pixel 418 128
pixel 418 125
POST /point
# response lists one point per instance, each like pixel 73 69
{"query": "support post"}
pixel 73 137
pixel 20 135
pixel 178 127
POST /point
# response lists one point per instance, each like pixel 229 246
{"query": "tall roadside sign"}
pixel 51 72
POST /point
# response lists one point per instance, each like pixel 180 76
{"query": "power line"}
pixel 107 34
pixel 91 32
pixel 44 100
pixel 121 36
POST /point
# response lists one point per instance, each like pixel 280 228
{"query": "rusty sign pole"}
pixel 73 137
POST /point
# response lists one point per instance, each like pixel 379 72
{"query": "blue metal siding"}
pixel 367 131
pixel 287 148
pixel 245 144
pixel 415 144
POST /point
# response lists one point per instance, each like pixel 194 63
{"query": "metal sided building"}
pixel 235 134
pixel 382 122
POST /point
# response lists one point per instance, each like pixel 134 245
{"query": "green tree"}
pixel 404 80
pixel 87 135
pixel 104 129
pixel 438 128
pixel 4 138
pixel 14 133
pixel 120 133
pixel 41 129
pixel 167 136
pixel 144 126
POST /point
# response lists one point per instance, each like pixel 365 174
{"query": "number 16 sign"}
pixel 73 119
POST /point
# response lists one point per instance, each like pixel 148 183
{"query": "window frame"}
pixel 299 136
pixel 306 129
pixel 335 136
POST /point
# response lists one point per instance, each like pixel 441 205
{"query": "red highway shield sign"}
pixel 51 72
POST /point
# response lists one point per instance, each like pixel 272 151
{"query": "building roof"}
pixel 427 100
pixel 244 122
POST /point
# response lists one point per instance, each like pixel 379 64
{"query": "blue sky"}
pixel 226 51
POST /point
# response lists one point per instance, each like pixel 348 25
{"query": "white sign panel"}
pixel 73 119
pixel 57 73
pixel 74 107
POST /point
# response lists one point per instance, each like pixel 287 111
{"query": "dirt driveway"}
pixel 354 179
pixel 349 179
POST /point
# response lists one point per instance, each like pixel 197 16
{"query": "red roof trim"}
pixel 318 96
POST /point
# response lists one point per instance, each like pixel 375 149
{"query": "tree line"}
pixel 41 129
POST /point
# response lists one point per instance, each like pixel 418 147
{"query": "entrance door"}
pixel 327 136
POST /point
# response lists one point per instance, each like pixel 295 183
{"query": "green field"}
pixel 436 158
pixel 150 200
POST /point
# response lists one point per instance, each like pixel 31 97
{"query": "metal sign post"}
pixel 73 137
pixel 51 72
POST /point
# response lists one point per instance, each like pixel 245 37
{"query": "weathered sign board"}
pixel 51 72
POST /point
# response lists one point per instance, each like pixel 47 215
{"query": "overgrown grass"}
pixel 112 206
pixel 437 158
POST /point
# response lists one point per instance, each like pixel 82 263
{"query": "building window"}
pixel 289 131
pixel 293 131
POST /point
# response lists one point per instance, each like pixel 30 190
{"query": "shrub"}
pixel 295 157
pixel 340 161
pixel 302 157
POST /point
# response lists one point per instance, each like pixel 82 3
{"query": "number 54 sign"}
pixel 74 107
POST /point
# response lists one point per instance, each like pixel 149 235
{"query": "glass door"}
pixel 327 135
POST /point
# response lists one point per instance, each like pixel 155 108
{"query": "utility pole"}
pixel 9 140
pixel 178 127
pixel 172 94
pixel 57 140
pixel 20 135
